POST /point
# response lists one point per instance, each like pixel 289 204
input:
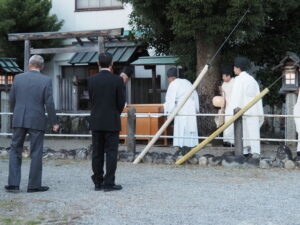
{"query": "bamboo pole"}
pixel 173 114
pixel 222 128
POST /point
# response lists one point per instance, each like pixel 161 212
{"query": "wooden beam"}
pixel 26 54
pixel 62 35
pixel 79 41
pixel 73 49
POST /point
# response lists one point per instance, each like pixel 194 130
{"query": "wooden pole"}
pixel 131 126
pixel 173 114
pixel 238 134
pixel 26 54
pixel 222 128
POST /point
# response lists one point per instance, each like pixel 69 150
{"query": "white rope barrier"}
pixel 155 115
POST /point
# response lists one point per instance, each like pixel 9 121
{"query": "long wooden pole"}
pixel 222 128
pixel 173 114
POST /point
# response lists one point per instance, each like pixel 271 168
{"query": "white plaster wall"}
pixel 89 20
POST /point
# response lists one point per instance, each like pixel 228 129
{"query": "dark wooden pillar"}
pixel 238 134
pixel 131 130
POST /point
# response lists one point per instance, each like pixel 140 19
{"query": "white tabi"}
pixel 245 88
pixel 183 125
pixel 297 120
pixel 228 134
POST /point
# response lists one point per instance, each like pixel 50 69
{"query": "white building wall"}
pixel 90 20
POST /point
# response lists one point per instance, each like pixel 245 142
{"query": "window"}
pixel 85 5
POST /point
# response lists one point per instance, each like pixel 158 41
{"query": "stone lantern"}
pixel 290 65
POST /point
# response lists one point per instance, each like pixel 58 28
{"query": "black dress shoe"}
pixel 112 188
pixel 40 189
pixel 98 187
pixel 12 188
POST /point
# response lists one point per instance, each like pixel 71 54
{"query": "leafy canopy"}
pixel 25 16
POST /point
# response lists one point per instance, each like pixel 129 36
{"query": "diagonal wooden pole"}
pixel 222 128
pixel 173 114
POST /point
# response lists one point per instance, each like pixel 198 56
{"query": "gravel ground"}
pixel 155 194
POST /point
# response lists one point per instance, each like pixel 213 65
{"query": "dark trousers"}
pixel 36 154
pixel 104 142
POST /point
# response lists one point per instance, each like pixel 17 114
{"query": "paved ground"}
pixel 155 194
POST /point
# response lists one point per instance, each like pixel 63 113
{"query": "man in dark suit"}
pixel 107 97
pixel 30 94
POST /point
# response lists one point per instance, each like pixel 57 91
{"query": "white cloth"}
pixel 183 125
pixel 245 88
pixel 297 120
pixel 228 133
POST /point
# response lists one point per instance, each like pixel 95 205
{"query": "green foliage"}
pixel 25 16
pixel 268 31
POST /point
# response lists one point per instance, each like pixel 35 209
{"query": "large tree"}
pixel 193 29
pixel 25 16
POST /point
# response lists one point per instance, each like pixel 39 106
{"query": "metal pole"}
pixel 222 128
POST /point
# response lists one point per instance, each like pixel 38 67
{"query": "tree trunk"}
pixel 208 87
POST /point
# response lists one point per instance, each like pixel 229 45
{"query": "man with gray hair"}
pixel 30 95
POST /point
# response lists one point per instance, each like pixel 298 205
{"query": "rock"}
pixel 253 162
pixel 278 164
pixel 147 159
pixel 193 160
pixel 3 153
pixel 297 161
pixel 203 161
pixel 215 161
pixel 156 158
pixel 81 154
pixel 229 153
pixel 46 149
pixel 71 154
pixel 289 164
pixel 169 160
pixel 126 156
pixel 255 156
pixel 265 163
pixel 283 153
pixel 233 161
pixel 208 156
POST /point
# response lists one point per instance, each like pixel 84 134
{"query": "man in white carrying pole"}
pixel 245 88
pixel 184 125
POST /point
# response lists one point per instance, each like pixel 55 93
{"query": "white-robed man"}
pixel 184 126
pixel 228 81
pixel 245 88
pixel 297 122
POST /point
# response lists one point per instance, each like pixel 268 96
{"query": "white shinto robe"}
pixel 245 88
pixel 297 120
pixel 228 134
pixel 183 125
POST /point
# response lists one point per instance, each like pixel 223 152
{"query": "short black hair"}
pixel 105 60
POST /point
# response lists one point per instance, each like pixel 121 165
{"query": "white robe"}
pixel 245 88
pixel 297 120
pixel 228 134
pixel 183 125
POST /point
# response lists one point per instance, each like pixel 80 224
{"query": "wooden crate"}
pixel 146 125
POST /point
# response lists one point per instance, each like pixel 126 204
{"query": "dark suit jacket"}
pixel 107 97
pixel 30 95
